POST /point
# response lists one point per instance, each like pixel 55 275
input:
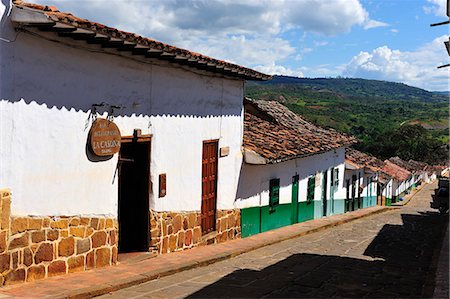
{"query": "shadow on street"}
pixel 401 257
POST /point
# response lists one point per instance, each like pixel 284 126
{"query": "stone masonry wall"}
pixel 172 232
pixel 33 248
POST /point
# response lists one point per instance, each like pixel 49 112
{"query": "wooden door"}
pixel 134 190
pixel 209 185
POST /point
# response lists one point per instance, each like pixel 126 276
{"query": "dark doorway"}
pixel 353 204
pixel 295 180
pixel 379 195
pixel 324 192
pixel 347 197
pixel 209 185
pixel 359 191
pixel 134 190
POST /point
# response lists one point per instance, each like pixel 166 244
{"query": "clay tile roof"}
pixel 363 160
pixel 412 167
pixel 134 41
pixel 437 169
pixel 278 134
pixel 384 177
pixel 395 171
pixel 420 166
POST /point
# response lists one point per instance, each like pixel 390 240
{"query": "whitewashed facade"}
pixel 53 86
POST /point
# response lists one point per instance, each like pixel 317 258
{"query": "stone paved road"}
pixel 384 255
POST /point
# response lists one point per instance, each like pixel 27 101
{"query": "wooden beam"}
pixel 154 53
pixel 140 50
pixel 58 27
pixel 98 38
pixel 167 55
pixel 180 58
pixel 113 42
pixel 127 46
pixel 78 34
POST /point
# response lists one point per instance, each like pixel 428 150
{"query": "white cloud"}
pixel 436 7
pixel 374 24
pixel 320 43
pixel 394 30
pixel 328 17
pixel 417 68
pixel 245 32
pixel 243 50
pixel 274 69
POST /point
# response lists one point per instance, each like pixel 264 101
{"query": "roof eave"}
pixel 29 17
pixel 253 158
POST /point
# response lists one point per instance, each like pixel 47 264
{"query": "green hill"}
pixel 364 108
pixel 353 88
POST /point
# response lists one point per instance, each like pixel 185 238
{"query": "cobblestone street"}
pixel 384 255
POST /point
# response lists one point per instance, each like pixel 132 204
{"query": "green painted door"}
pixel 332 186
pixel 324 193
pixel 294 205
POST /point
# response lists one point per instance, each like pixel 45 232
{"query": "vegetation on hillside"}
pixel 368 109
pixel 408 142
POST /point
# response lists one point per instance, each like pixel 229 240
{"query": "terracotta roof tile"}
pixel 198 60
pixel 363 160
pixel 419 166
pixel 395 171
pixel 411 167
pixel 278 134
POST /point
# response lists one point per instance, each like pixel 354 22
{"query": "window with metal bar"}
pixel 336 179
pixel 274 193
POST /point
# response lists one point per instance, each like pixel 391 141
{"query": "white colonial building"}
pixel 179 116
pixel 293 171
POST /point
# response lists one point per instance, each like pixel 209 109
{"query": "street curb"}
pixel 410 196
pixel 112 286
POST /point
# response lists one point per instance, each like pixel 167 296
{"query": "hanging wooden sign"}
pixel 104 137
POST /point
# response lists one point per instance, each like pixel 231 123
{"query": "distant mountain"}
pixel 364 108
pixel 352 88
pixel 445 93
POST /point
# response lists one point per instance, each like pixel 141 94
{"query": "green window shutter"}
pixel 311 187
pixel 274 193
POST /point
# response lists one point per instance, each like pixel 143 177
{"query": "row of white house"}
pixel 111 142
pixel 392 178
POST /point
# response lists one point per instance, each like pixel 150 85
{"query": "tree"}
pixel 408 142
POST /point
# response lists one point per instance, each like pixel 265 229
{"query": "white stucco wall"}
pixel 365 179
pixel 400 187
pixel 253 187
pixel 388 189
pixel 47 91
pixel 360 181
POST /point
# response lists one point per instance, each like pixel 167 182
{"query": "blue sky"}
pixel 374 39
